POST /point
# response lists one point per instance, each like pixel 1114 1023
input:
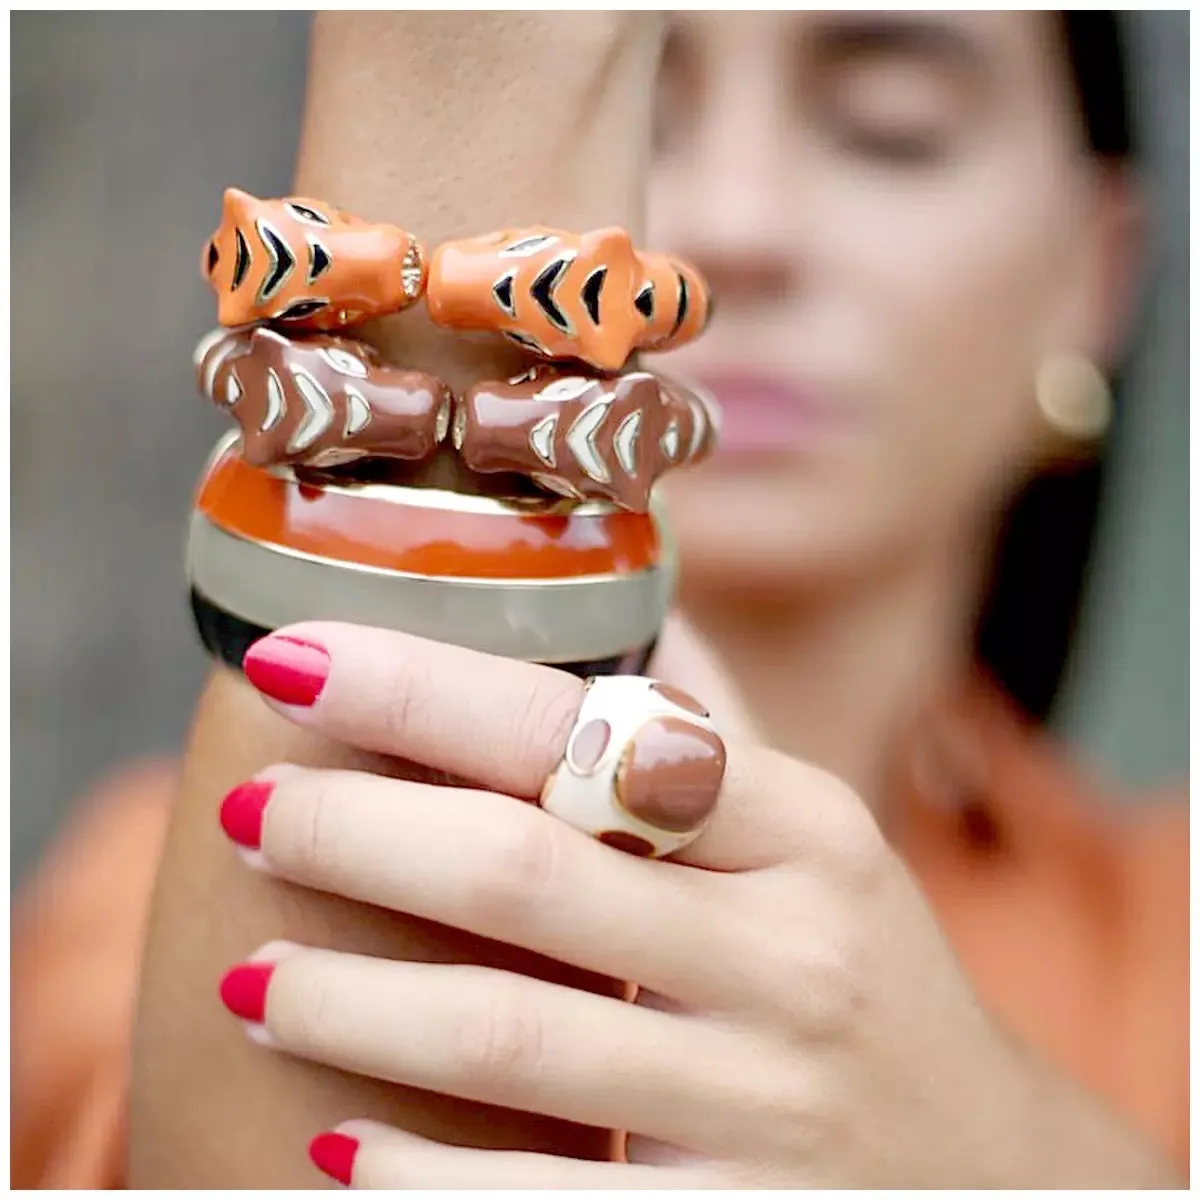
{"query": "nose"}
pixel 743 271
pixel 731 213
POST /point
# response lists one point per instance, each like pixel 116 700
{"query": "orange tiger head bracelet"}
pixel 309 264
pixel 561 295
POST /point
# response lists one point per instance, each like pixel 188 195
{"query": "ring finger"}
pixel 478 862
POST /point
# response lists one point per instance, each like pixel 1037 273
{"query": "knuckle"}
pixel 316 841
pixel 862 859
pixel 518 868
pixel 780 1103
pixel 396 705
pixel 851 842
pixel 544 722
pixel 305 1010
pixel 504 1040
pixel 824 983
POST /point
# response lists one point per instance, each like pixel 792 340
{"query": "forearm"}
pixel 447 124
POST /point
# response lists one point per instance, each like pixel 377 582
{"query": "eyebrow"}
pixel 851 35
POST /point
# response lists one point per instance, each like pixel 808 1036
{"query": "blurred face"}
pixel 898 220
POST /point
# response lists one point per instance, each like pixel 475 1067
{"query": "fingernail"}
pixel 244 990
pixel 242 812
pixel 287 669
pixel 334 1154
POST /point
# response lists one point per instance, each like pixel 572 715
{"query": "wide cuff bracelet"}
pixel 524 580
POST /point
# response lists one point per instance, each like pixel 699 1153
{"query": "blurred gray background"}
pixel 125 130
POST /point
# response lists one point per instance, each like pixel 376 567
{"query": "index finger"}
pixel 492 721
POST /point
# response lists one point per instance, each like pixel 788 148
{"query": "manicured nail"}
pixel 287 669
pixel 244 990
pixel 242 812
pixel 334 1154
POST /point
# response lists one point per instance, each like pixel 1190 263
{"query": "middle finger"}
pixel 481 863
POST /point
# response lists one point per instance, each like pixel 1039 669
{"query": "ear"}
pixel 1104 290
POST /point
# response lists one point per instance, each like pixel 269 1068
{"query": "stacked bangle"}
pixel 315 507
pixel 587 296
pixel 267 548
pixel 325 401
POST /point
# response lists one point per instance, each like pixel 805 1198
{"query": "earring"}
pixel 1074 397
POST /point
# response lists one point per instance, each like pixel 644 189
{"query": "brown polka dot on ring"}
pixel 670 774
pixel 628 843
pixel 680 699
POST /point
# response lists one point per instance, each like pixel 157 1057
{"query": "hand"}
pixel 801 1021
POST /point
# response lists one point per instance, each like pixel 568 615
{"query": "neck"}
pixel 837 676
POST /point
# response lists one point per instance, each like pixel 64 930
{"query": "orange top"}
pixel 1070 914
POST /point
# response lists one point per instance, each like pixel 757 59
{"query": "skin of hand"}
pixel 801 1020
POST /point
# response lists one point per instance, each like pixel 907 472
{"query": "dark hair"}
pixel 1028 623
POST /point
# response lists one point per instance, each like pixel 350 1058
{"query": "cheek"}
pixel 955 290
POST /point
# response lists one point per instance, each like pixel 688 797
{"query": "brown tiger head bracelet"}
pixel 322 401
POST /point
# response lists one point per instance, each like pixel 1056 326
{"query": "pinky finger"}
pixel 368 1155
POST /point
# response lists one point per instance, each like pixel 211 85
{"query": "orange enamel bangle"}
pixel 590 296
pixel 586 590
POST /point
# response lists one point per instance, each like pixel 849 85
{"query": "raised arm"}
pixel 447 124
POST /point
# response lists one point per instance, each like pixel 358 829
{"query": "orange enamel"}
pixel 370 531
pixel 561 295
pixel 673 278
pixel 359 270
pixel 464 276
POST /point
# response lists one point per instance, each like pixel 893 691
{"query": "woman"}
pixel 909 223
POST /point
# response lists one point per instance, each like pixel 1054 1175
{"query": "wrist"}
pixel 546 121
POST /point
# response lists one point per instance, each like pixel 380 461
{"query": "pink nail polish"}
pixel 288 669
pixel 334 1154
pixel 244 990
pixel 242 812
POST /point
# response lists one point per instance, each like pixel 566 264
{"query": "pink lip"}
pixel 764 414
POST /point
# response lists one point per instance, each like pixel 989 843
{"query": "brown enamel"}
pixel 627 843
pixel 579 436
pixel 541 287
pixel 670 774
pixel 342 269
pixel 323 400
pixel 679 698
pixel 697 423
pixel 680 300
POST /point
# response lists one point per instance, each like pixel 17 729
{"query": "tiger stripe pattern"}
pixel 308 265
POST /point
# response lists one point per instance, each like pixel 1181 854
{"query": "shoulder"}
pixel 1152 833
pixel 1152 905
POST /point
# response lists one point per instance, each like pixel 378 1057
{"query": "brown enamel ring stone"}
pixel 670 774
